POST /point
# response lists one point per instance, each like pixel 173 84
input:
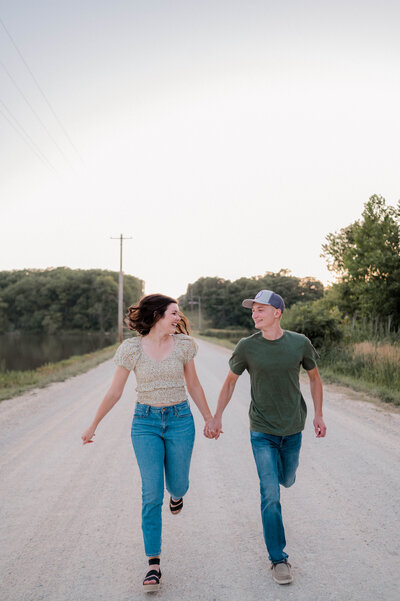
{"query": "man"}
pixel 277 412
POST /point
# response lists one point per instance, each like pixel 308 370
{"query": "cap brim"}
pixel 248 303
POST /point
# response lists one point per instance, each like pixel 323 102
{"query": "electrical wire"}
pixel 37 116
pixel 42 91
pixel 21 131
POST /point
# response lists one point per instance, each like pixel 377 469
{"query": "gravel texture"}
pixel 70 515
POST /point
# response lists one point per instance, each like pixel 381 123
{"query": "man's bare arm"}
pixel 224 397
pixel 316 393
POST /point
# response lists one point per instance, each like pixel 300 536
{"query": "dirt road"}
pixel 70 515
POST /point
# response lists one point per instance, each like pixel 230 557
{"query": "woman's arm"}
pixel 111 397
pixel 196 391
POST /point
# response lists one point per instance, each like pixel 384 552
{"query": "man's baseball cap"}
pixel 265 297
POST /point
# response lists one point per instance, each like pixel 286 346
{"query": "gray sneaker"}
pixel 281 572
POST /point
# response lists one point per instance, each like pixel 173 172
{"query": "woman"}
pixel 163 428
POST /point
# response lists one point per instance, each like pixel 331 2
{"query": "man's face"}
pixel 264 316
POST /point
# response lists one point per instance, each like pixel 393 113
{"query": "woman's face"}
pixel 170 319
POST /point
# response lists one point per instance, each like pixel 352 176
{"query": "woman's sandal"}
pixel 154 576
pixel 175 506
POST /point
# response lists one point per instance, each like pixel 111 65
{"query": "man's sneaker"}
pixel 281 572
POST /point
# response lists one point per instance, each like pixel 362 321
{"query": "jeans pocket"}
pixel 141 411
pixel 256 435
pixel 182 410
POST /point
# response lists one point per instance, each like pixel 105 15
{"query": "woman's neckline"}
pixel 156 360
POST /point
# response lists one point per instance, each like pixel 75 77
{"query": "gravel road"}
pixel 70 515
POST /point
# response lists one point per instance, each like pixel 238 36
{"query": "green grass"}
pixel 381 393
pixel 370 367
pixel 14 383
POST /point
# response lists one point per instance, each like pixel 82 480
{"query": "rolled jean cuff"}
pixel 153 554
pixel 281 560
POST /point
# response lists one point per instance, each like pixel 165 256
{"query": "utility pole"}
pixel 120 285
pixel 198 302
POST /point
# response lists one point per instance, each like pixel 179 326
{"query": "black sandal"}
pixel 151 587
pixel 175 506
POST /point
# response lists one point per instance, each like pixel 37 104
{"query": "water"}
pixel 22 351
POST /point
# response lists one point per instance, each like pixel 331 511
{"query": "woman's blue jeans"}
pixel 277 459
pixel 162 439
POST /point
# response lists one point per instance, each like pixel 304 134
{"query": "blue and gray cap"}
pixel 265 297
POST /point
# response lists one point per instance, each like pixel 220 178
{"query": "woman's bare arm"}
pixel 196 391
pixel 111 397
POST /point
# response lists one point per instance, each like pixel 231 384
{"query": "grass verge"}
pixel 14 383
pixel 381 393
pixel 369 367
pixel 218 341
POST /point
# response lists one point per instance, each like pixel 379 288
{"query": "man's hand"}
pixel 319 427
pixel 207 431
pixel 213 428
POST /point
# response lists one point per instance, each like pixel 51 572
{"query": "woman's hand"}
pixel 206 431
pixel 88 435
pixel 213 428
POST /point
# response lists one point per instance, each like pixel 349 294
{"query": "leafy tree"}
pixel 4 323
pixel 366 257
pixel 322 325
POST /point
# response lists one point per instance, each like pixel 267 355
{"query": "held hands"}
pixel 88 435
pixel 319 427
pixel 213 428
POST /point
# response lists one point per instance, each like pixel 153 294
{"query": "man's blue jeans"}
pixel 277 459
pixel 162 439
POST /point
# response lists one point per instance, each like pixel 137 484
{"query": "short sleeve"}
pixel 310 355
pixel 190 350
pixel 238 362
pixel 126 354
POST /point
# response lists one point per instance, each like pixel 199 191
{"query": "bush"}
pixel 321 324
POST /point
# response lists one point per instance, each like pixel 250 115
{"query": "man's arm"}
pixel 316 393
pixel 215 425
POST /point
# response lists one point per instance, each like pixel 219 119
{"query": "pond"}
pixel 22 351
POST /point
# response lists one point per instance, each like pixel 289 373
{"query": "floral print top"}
pixel 158 382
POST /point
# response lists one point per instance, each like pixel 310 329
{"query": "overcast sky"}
pixel 227 138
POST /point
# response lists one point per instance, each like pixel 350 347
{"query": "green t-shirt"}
pixel 277 405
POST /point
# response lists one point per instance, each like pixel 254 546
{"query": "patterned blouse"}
pixel 158 382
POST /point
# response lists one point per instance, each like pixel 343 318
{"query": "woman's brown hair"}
pixel 145 314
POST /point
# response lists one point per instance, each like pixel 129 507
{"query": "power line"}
pixel 26 137
pixel 36 115
pixel 41 91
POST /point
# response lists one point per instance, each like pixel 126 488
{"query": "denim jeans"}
pixel 162 439
pixel 277 459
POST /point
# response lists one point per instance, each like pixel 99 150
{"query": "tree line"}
pixel 47 300
pixel 221 299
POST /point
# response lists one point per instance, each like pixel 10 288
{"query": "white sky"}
pixel 228 138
